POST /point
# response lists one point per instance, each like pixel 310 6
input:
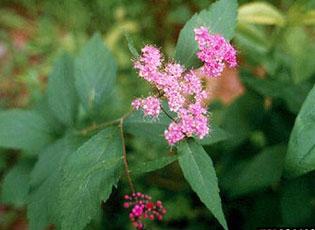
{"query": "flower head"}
pixel 151 106
pixel 183 89
pixel 214 51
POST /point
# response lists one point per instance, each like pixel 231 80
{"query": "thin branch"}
pixel 95 127
pixel 127 172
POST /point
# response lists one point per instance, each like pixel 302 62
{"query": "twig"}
pixel 127 172
pixel 94 127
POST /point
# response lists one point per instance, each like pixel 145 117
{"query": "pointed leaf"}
pixel 219 18
pixel 95 74
pixel 198 170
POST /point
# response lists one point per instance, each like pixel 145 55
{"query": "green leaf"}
pixel 62 95
pixel 260 13
pixel 16 184
pixel 147 128
pixel 21 129
pixel 300 157
pixel 95 74
pixel 219 18
pixel 293 95
pixel 242 117
pixel 46 179
pixel 259 172
pixel 88 177
pixel 296 202
pixel 216 135
pixel 149 166
pixel 199 171
pixel 309 18
pixel 302 55
pixel 131 46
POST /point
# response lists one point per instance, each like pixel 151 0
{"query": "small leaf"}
pixel 198 170
pixel 257 173
pixel 16 184
pixel 148 128
pixel 21 129
pixel 301 56
pixel 300 157
pixel 95 74
pixel 62 95
pixel 131 46
pixel 219 18
pixel 260 13
pixel 149 166
pixel 88 177
pixel 216 135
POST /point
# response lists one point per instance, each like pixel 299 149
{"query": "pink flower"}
pixel 151 106
pixel 142 208
pixel 214 51
pixel 174 133
pixel 148 63
pixel 183 89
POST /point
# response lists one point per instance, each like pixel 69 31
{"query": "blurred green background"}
pixel 256 104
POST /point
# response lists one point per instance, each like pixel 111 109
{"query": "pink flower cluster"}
pixel 214 51
pixel 182 88
pixel 142 207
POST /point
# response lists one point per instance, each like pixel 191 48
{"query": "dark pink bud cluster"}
pixel 142 207
pixel 182 88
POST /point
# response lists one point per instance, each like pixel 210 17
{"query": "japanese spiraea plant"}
pixel 82 151
pixel 184 92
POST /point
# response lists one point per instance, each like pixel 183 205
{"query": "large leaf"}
pixel 257 173
pixel 62 95
pixel 16 184
pixel 21 129
pixel 260 13
pixel 219 18
pixel 46 179
pixel 198 170
pixel 300 157
pixel 88 177
pixel 95 74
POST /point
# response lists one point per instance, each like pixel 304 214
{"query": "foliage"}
pixel 62 156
